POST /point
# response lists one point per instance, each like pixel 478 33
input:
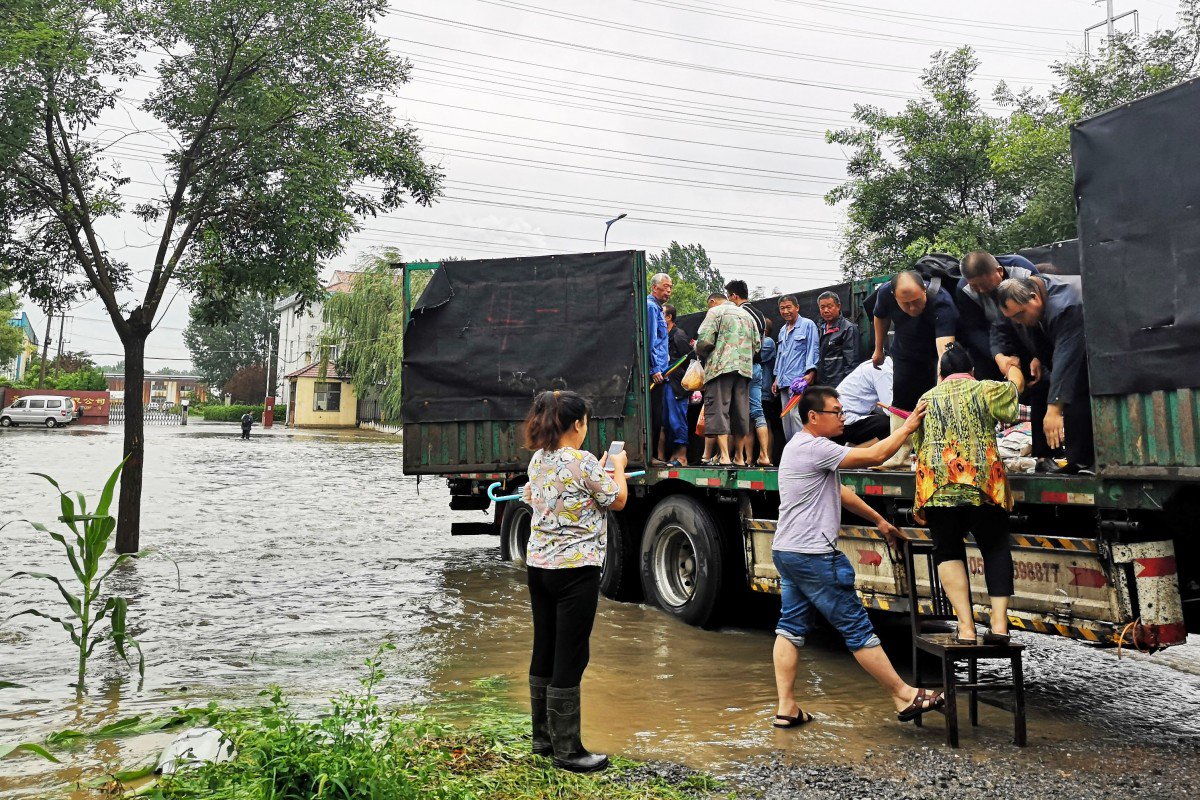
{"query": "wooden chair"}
pixel 934 635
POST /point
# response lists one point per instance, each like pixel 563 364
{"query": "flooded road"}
pixel 300 552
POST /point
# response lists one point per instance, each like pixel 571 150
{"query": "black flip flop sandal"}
pixel 924 702
pixel 792 722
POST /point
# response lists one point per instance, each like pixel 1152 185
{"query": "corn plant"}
pixel 85 545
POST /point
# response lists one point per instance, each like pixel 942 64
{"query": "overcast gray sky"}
pixel 703 120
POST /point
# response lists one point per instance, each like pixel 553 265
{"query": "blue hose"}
pixel 491 490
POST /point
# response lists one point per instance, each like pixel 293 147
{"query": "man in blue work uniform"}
pixel 656 329
pixel 925 321
pixel 1045 315
pixel 797 354
pixel 979 311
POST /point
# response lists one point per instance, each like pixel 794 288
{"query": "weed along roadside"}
pixel 355 747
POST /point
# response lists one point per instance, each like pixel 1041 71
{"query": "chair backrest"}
pixel 921 552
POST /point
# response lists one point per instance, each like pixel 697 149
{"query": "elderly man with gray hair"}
pixel 1045 317
pixel 656 329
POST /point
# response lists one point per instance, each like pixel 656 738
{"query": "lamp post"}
pixel 608 225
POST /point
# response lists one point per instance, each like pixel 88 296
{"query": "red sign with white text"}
pixel 94 405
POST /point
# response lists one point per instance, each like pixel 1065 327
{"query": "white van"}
pixel 37 409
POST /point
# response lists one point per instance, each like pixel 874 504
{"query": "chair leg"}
pixel 1018 677
pixel 951 691
pixel 973 679
pixel 916 674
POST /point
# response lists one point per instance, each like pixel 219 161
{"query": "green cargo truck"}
pixel 1107 558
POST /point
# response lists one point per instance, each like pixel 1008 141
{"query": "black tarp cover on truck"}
pixel 1137 185
pixel 485 336
pixel 1062 256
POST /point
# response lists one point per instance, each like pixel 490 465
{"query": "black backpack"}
pixel 938 269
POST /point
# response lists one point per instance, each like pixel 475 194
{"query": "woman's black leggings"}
pixel 949 526
pixel 564 608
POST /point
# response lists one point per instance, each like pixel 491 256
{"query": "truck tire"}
pixel 682 560
pixel 51 422
pixel 514 532
pixel 5 422
pixel 619 578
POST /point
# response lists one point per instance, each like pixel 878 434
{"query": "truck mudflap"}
pixel 1074 587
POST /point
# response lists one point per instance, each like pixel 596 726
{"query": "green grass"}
pixel 358 749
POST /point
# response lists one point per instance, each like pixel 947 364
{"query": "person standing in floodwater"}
pixel 570 492
pixel 814 574
pixel 247 421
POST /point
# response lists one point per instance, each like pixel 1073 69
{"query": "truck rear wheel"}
pixel 682 560
pixel 514 532
pixel 619 578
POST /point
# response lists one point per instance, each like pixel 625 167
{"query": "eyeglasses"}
pixel 840 414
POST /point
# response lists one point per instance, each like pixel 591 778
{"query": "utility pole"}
pixel 268 414
pixel 61 319
pixel 1110 22
pixel 45 348
pixel 267 363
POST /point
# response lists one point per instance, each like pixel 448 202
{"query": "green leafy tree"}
pixel 692 273
pixel 86 379
pixel 367 325
pixel 921 179
pixel 12 338
pixel 220 349
pixel 943 175
pixel 1033 149
pixel 277 140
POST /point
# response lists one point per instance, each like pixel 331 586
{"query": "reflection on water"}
pixel 300 552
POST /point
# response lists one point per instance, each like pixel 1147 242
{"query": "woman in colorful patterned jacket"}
pixel 962 486
pixel 570 493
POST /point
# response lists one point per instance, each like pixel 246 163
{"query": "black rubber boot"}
pixel 562 712
pixel 537 702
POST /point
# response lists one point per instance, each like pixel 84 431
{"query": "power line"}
pixel 597 171
pixel 874 12
pixel 783 229
pixel 720 43
pixel 487 190
pixel 711 69
pixel 631 81
pixel 777 20
pixel 622 204
pixel 476 73
pixel 575 169
pixel 642 113
pixel 609 154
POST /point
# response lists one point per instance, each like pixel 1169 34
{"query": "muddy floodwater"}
pixel 300 552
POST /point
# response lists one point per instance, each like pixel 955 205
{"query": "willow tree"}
pixel 366 325
pixel 276 141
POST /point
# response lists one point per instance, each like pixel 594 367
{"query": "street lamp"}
pixel 608 225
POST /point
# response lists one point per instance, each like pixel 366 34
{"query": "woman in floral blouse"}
pixel 962 486
pixel 570 493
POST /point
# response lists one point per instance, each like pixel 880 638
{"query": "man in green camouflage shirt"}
pixel 727 341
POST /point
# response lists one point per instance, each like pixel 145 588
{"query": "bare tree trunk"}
pixel 129 510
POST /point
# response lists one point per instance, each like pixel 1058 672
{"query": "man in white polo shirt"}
pixel 813 572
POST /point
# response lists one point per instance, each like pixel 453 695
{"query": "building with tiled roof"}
pixel 300 334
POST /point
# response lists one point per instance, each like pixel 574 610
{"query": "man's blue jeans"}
pixel 824 582
pixel 758 419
